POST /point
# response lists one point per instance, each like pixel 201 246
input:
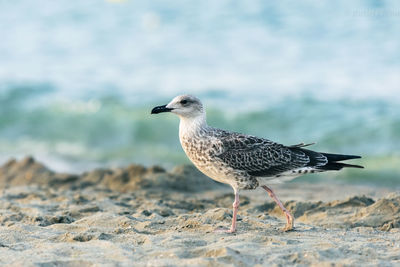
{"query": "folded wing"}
pixel 263 158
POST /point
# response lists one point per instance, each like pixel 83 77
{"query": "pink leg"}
pixel 235 210
pixel 289 217
pixel 234 216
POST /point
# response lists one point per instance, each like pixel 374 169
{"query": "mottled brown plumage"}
pixel 244 161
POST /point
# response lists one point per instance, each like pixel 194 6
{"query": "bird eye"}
pixel 184 102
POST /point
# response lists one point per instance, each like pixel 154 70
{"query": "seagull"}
pixel 242 161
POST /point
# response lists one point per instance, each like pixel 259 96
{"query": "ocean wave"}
pixel 78 79
pixel 111 131
pixel 273 50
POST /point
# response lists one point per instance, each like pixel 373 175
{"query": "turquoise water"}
pixel 78 80
pixel 107 131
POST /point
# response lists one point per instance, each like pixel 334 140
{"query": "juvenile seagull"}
pixel 244 161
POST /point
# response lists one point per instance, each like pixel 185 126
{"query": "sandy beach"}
pixel 138 216
pixel 106 107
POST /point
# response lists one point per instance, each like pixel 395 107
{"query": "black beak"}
pixel 160 109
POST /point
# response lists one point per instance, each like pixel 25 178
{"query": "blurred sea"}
pixel 78 78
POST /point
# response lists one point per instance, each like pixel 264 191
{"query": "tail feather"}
pixel 334 165
pixel 325 161
pixel 339 157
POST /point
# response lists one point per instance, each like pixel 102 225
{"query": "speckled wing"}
pixel 264 158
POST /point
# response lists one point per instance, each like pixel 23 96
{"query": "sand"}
pixel 137 216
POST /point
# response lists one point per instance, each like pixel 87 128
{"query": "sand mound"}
pixel 182 178
pixel 384 214
pixel 153 217
pixel 28 172
pixel 357 211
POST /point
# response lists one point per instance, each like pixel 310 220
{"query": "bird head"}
pixel 186 106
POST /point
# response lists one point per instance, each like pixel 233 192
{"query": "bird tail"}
pixel 334 165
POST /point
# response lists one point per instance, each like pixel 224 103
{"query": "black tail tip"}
pixel 340 165
pixel 355 166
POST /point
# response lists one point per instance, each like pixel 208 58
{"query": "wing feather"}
pixel 262 157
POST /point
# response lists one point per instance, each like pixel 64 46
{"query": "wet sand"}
pixel 152 217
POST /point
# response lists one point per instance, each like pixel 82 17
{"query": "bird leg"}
pixel 234 215
pixel 235 210
pixel 289 217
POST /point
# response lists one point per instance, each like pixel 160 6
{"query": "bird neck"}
pixel 192 126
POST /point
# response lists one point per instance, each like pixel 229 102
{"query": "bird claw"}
pixel 290 223
pixel 224 230
pixel 288 228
